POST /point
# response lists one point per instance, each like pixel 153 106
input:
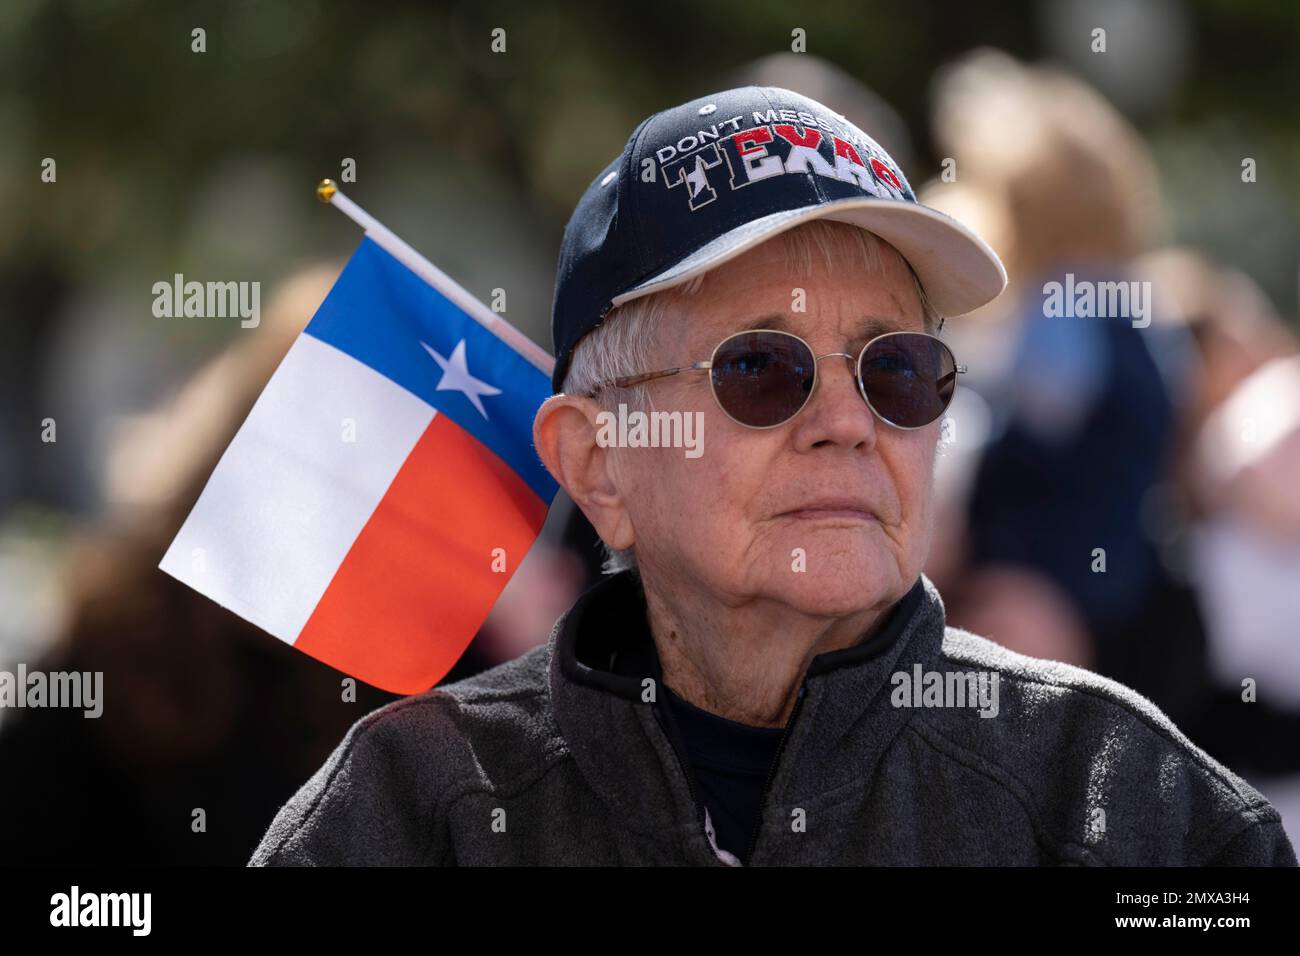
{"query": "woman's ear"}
pixel 566 432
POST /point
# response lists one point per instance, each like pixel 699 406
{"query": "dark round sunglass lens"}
pixel 908 377
pixel 762 378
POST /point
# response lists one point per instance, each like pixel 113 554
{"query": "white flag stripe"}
pixel 290 495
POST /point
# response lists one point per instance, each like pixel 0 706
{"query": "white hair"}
pixel 625 343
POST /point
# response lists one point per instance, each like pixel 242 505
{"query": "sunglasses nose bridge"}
pixel 818 358
pixel 853 368
pixel 853 359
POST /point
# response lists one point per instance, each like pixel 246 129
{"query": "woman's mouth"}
pixel 833 509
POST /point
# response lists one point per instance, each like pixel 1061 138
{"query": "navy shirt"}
pixel 730 762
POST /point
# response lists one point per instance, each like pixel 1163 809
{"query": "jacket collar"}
pixel 602 661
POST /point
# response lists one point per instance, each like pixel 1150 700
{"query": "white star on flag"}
pixel 697 179
pixel 456 377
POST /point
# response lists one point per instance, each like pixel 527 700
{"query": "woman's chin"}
pixel 848 587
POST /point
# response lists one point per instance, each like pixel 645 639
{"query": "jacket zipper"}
pixel 767 784
pixel 771 772
pixel 665 726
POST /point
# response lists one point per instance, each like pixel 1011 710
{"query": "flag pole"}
pixel 329 192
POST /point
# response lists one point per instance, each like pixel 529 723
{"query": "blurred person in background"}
pixel 1238 512
pixel 1235 330
pixel 1082 409
pixel 1246 561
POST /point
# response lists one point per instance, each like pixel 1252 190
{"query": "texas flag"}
pixel 385 485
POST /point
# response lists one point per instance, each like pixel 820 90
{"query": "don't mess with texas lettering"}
pixel 713 157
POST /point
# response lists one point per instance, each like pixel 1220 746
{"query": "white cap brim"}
pixel 957 269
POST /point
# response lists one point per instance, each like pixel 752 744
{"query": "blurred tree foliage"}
pixel 138 123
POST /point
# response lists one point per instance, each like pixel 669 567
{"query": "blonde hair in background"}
pixel 1069 177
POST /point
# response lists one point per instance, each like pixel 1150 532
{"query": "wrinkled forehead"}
pixel 822 294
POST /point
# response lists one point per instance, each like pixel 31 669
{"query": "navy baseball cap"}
pixel 700 183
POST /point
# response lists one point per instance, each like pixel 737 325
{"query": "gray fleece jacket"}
pixel 563 756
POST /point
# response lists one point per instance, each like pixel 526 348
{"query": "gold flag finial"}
pixel 326 190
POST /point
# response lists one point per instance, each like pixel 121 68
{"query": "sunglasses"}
pixel 762 378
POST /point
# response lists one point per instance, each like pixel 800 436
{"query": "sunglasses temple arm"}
pixel 625 381
pixel 944 379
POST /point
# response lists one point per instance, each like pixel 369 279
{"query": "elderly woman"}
pixel 767 677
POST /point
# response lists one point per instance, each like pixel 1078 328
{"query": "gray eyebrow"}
pixel 870 327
